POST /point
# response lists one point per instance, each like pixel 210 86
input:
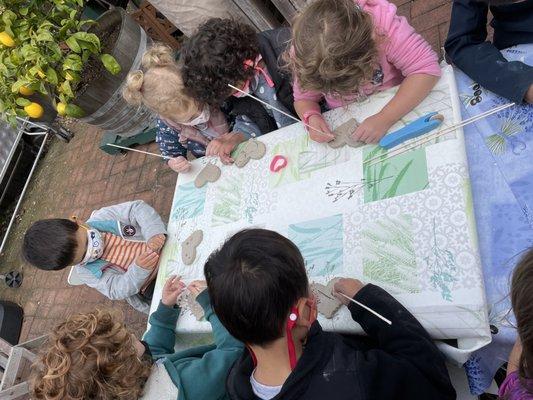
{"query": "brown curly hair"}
pixel 522 301
pixel 333 47
pixel 90 356
pixel 214 56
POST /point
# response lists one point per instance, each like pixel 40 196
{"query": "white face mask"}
pixel 95 246
pixel 202 118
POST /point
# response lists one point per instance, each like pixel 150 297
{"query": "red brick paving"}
pixel 76 178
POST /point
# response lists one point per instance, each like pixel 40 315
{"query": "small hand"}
pixel 529 95
pixel 197 287
pixel 179 164
pixel 223 146
pixel 321 132
pixel 372 129
pixel 172 290
pixel 147 260
pixel 347 286
pixel 157 242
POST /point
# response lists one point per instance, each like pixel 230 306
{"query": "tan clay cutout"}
pixel 210 173
pixel 343 135
pixel 327 304
pixel 188 247
pixel 252 149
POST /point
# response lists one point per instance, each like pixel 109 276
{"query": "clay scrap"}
pixel 343 135
pixel 188 247
pixel 210 173
pixel 251 149
pixel 327 304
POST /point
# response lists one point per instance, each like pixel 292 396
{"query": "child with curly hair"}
pixel 225 51
pixel 518 385
pixel 345 50
pixel 94 356
pixel 184 124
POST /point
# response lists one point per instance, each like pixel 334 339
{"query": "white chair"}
pixel 73 277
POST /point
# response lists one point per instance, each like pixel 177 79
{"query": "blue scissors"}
pixel 416 128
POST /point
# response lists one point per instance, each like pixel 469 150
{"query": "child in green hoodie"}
pixel 94 356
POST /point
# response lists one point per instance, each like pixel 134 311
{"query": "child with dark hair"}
pixel 94 356
pixel 115 252
pixel 468 48
pixel 518 385
pixel 258 286
pixel 225 51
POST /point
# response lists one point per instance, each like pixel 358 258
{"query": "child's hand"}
pixel 347 286
pixel 147 260
pixel 179 164
pixel 372 129
pixel 223 146
pixel 529 95
pixel 321 133
pixel 197 287
pixel 172 290
pixel 157 242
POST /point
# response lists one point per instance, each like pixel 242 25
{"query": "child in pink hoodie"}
pixel 344 50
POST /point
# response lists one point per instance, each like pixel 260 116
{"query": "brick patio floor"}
pixel 76 178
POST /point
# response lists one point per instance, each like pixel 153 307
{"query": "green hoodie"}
pixel 199 373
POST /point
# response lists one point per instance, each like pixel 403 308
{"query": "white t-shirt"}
pixel 263 391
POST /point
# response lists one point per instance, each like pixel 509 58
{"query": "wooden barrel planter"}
pixel 102 98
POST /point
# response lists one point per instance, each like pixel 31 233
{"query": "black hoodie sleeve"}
pixel 405 351
pixel 467 48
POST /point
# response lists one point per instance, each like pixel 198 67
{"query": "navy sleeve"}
pixel 168 140
pixel 467 48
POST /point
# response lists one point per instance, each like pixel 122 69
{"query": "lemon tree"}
pixel 44 45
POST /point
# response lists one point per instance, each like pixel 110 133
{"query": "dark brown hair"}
pixel 333 47
pixel 522 301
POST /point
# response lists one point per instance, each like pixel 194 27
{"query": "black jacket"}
pixel 467 47
pixel 399 361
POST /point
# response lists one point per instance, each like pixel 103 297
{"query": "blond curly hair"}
pixel 160 87
pixel 90 356
pixel 334 48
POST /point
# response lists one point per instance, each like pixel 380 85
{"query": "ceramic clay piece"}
pixel 188 247
pixel 252 149
pixel 210 173
pixel 327 304
pixel 195 307
pixel 343 135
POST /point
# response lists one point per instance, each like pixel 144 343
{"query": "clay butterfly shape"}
pixel 343 135
pixel 188 247
pixel 210 173
pixel 252 149
pixel 186 301
pixel 327 304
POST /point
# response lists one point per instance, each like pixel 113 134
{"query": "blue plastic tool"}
pixel 416 128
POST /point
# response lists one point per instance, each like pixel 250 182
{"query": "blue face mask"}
pixel 95 246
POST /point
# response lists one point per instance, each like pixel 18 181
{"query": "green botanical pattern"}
pixel 227 207
pixel 409 172
pixel 188 201
pixel 170 254
pixel 388 253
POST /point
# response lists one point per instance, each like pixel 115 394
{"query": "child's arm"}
pixel 466 46
pixel 415 59
pixel 405 341
pixel 169 146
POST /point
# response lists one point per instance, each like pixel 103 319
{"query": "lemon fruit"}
pixel 25 91
pixel 6 39
pixel 61 109
pixel 34 110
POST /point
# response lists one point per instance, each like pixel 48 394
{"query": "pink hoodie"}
pixel 402 53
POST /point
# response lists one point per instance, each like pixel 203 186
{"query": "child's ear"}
pixel 307 311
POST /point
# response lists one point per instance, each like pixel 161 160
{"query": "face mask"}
pixel 202 118
pixel 292 322
pixel 95 246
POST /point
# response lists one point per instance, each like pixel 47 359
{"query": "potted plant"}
pixel 53 60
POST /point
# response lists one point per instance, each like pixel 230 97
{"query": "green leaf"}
pixel 72 110
pixel 45 36
pixel 51 76
pixel 18 84
pixel 65 87
pixel 23 11
pixel 89 38
pixel 110 63
pixel 8 17
pixel 73 44
pixel 21 101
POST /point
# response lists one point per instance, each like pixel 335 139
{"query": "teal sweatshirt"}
pixel 199 373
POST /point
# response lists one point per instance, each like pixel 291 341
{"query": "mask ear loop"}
pixel 252 354
pixel 291 323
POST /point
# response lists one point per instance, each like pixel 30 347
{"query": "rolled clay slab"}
pixel 188 247
pixel 327 304
pixel 252 149
pixel 343 135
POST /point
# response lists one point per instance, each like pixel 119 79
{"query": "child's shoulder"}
pixel 383 13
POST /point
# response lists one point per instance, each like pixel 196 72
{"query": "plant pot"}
pixel 102 100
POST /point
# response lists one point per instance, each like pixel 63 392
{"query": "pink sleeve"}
pixel 404 47
pixel 299 94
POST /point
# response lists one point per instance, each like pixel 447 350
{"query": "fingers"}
pixel 148 260
pixel 226 159
pixel 179 164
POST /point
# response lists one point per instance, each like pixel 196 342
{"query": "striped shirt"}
pixel 121 252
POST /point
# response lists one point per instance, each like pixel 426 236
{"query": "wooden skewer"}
pixel 388 321
pixel 277 109
pixel 427 138
pixel 139 151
